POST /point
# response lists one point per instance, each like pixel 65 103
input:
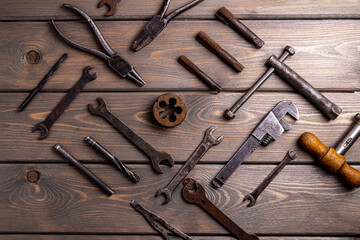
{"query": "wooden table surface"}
pixel 303 202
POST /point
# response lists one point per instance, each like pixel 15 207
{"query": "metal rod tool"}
pixel 127 171
pixel 214 47
pixel 191 67
pixel 42 82
pixel 84 170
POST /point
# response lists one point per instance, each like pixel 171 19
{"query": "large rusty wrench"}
pixel 45 125
pixel 194 158
pixel 155 156
pixel 193 192
pixel 112 4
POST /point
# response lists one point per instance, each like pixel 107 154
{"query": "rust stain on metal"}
pixel 169 110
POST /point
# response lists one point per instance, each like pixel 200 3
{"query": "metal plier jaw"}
pixel 117 63
pixel 158 23
pixel 273 125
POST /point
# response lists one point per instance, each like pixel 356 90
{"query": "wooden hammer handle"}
pixel 330 159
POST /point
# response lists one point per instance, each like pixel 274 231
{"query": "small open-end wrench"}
pixel 290 155
pixel 194 192
pixel 155 156
pixel 45 125
pixel 194 158
pixel 112 4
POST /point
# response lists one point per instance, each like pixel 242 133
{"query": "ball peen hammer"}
pixel 332 158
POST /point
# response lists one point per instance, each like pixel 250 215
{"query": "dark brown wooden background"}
pixel 303 202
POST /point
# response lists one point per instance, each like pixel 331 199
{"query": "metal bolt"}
pixel 33 57
pixel 33 176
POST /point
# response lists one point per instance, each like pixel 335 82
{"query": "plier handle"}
pixel 158 23
pixel 117 63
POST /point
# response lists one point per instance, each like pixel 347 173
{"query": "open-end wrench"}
pixel 194 158
pixel 155 156
pixel 193 192
pixel 112 4
pixel 45 125
pixel 290 155
pixel 268 130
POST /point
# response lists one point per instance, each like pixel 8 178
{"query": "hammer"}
pixel 333 158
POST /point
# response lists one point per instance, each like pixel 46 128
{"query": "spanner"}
pixel 155 156
pixel 194 158
pixel 290 155
pixel 45 125
pixel 194 192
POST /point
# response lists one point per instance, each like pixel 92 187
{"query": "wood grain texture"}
pixel 36 10
pixel 148 237
pixel 64 201
pixel 204 110
pixel 327 55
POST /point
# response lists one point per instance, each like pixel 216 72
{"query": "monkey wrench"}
pixel 268 130
pixel 45 125
pixel 194 192
pixel 194 158
pixel 155 156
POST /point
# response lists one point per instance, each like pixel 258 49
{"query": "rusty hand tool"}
pixel 84 170
pixel 112 4
pixel 155 156
pixel 191 67
pixel 169 110
pixel 207 142
pixel 333 159
pixel 113 59
pixel 215 48
pixel 45 125
pixel 154 219
pixel 230 113
pixel 127 171
pixel 158 23
pixel 229 19
pixel 194 192
pixel 328 108
pixel 268 130
pixel 252 197
pixel 42 82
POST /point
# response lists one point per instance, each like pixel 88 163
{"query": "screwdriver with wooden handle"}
pixel 333 158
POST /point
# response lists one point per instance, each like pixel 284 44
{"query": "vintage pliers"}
pixel 155 220
pixel 117 63
pixel 158 23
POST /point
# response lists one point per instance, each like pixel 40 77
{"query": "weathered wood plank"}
pixel 64 201
pixel 135 109
pixel 148 237
pixel 327 55
pixel 35 10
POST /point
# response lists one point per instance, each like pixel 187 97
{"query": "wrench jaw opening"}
pixel 193 192
pixel 87 74
pixel 43 129
pixel 162 157
pixel 112 5
pixel 99 110
pixel 251 199
pixel 283 108
pixel 210 138
pixel 167 194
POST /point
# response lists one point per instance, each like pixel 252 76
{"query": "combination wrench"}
pixel 45 125
pixel 194 192
pixel 155 156
pixel 194 158
pixel 290 155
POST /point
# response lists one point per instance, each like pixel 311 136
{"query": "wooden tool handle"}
pixel 330 159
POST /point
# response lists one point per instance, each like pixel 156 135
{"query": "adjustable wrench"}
pixel 193 192
pixel 268 130
pixel 155 156
pixel 194 158
pixel 45 125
